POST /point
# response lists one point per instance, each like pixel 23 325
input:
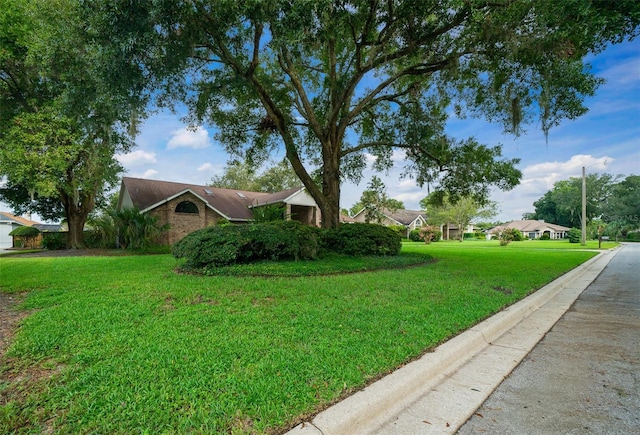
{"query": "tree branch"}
pixel 367 145
pixel 287 66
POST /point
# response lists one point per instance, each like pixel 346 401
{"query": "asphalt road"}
pixel 584 375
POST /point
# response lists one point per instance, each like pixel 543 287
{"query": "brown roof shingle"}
pixel 232 204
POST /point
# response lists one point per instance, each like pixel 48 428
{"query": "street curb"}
pixel 376 404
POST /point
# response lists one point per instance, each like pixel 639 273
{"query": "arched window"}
pixel 187 207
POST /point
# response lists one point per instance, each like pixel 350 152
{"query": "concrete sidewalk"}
pixel 440 391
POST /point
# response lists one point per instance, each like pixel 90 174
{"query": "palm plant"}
pixel 133 229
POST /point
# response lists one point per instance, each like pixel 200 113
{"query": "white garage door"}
pixel 6 241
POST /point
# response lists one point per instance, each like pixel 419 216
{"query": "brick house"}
pixel 188 207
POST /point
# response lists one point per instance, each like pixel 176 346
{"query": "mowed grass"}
pixel 126 345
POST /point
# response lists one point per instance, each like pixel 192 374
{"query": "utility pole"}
pixel 583 239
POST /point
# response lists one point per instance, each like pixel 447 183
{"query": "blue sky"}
pixel 605 139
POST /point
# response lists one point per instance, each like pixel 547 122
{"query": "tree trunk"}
pixel 76 211
pixel 75 237
pixel 330 187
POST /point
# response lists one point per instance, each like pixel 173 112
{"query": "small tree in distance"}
pixel 375 202
pixel 509 235
pixel 429 233
pixel 441 210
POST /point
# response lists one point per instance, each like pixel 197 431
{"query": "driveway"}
pixel 584 376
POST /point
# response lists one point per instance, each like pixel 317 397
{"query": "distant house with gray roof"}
pixel 189 207
pixel 533 229
pixel 8 223
pixel 410 219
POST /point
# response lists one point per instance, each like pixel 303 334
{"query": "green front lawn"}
pixel 125 345
pixel 529 244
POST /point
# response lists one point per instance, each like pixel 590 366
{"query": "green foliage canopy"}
pixel 623 205
pixel 59 124
pixel 562 205
pixel 335 81
pixel 242 176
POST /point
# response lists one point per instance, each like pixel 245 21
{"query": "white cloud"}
pixel 618 72
pixel 411 200
pixel 188 138
pixel 137 158
pixel 205 167
pixel 406 184
pixel 539 178
pixel 369 159
pixel 546 174
pixel 149 173
pixel 399 155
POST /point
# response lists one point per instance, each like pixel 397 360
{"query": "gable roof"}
pixel 405 217
pixel 229 203
pixel 272 198
pixel 8 217
pixel 402 216
pixel 528 225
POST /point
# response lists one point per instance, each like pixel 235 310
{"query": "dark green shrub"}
pixel 414 236
pixel 54 241
pixel 209 246
pixel 27 235
pixel 232 244
pixel 633 236
pixel 362 239
pixel 574 235
pixel 437 236
pixel 545 236
pixel 400 229
pixel 269 213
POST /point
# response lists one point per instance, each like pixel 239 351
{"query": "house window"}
pixel 187 207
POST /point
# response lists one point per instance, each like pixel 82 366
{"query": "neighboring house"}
pixel 532 229
pixel 8 223
pixel 188 207
pixel 410 219
pixel 451 232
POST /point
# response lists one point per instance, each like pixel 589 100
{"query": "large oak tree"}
pixel 333 81
pixel 60 126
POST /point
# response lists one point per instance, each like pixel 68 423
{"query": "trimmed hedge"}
pixel 414 236
pixel 361 239
pixel 232 244
pixel 54 241
pixel 26 235
pixel 574 235
pixel 224 245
